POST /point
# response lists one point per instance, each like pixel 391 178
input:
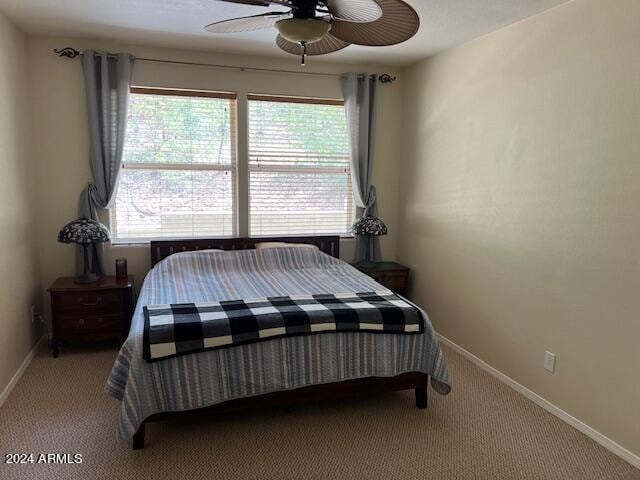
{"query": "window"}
pixel 299 169
pixel 179 172
pixel 179 167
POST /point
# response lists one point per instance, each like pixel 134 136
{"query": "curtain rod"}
pixel 70 52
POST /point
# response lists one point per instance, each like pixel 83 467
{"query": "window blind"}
pixel 299 170
pixel 179 166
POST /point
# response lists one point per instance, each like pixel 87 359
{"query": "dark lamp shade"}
pixel 369 225
pixel 84 231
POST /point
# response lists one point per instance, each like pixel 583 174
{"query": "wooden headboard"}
pixel 163 248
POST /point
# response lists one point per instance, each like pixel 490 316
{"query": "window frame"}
pixel 233 168
pixel 241 174
pixel 256 97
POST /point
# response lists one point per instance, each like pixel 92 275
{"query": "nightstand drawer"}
pixel 90 302
pixel 90 323
pixel 391 280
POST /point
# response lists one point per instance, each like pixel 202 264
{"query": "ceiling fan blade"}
pixel 398 23
pixel 259 3
pixel 247 24
pixel 355 10
pixel 327 44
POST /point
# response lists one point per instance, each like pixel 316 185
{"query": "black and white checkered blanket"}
pixel 179 329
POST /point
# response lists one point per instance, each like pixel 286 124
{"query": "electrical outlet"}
pixel 32 313
pixel 550 361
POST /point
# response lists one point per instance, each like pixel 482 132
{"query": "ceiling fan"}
pixel 318 27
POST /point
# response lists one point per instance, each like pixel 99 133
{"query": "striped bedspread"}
pixel 202 379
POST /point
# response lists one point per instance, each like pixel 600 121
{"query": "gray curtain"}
pixel 107 82
pixel 359 92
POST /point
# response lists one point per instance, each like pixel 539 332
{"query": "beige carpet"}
pixel 483 430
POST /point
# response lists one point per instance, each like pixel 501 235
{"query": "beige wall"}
pixel 60 129
pixel 520 205
pixel 19 276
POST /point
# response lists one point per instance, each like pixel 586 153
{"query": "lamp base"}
pixel 86 278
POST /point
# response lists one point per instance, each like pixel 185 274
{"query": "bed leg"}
pixel 422 396
pixel 138 438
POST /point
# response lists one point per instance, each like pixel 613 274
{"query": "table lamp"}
pixel 84 232
pixel 369 227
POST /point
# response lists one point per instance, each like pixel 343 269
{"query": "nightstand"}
pixel 390 274
pixel 93 312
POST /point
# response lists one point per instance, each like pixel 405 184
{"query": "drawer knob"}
pixel 81 321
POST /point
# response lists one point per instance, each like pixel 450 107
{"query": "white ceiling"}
pixel 178 23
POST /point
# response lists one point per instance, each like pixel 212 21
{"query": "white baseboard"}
pixel 23 368
pixel 598 437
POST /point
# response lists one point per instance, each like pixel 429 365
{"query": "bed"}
pixel 275 372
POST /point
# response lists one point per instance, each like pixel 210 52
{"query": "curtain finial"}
pixel 67 52
pixel 386 78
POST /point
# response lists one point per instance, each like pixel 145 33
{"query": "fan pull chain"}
pixel 303 61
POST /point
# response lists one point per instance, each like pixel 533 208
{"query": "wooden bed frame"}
pixel 417 381
pixel 162 249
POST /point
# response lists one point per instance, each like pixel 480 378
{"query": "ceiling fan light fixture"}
pixel 303 30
